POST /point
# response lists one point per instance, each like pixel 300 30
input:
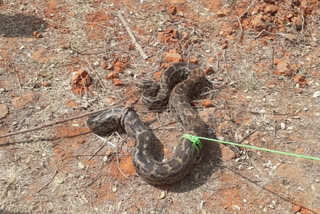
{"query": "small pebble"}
pixel 271 206
pixel 316 94
pixel 235 207
pixel 262 111
pixel 114 189
pixel 14 123
pixel 81 165
pixel 59 180
pixel 162 195
pixel 130 73
pixel 109 67
pixel 105 159
pixel 201 205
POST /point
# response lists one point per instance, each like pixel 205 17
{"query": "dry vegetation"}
pixel 61 59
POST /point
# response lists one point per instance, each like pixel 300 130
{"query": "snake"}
pixel 175 88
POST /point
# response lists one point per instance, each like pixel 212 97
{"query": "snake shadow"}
pixel 208 162
pixel 20 25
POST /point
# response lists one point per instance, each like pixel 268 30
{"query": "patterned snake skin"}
pixel 177 84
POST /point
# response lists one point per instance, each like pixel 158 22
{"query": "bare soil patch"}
pixel 61 59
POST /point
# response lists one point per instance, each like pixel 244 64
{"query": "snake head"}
pixel 149 87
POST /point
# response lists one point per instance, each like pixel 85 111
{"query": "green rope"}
pixel 197 144
pixel 195 141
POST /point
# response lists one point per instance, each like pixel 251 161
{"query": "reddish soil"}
pixel 61 59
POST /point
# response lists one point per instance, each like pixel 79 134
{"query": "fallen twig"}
pixel 118 159
pixel 144 56
pixel 99 79
pixel 106 141
pixel 259 34
pixel 19 82
pixel 276 34
pixel 55 173
pixel 98 150
pixel 248 135
pixel 240 25
pixel 239 18
pixel 272 59
pixel 302 26
pixel 244 12
pixel 94 180
pixel 57 122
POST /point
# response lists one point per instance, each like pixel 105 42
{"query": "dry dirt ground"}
pixel 61 59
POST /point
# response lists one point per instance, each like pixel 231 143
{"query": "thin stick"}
pixel 164 128
pixel 272 64
pixel 225 65
pixel 252 3
pixel 55 173
pixel 159 119
pixel 98 150
pixel 54 123
pixel 240 25
pixel 94 180
pixel 248 135
pixel 225 61
pixel 279 34
pixel 118 164
pixel 117 153
pixel 161 126
pixel 302 27
pixel 134 41
pixel 106 141
pixel 18 81
pixel 259 34
pixel 102 85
